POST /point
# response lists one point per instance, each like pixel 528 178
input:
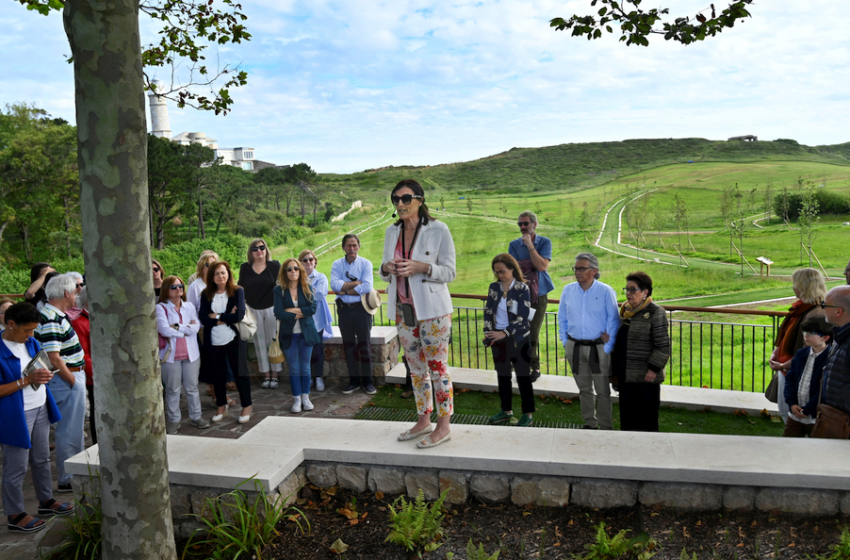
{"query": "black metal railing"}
pixel 709 354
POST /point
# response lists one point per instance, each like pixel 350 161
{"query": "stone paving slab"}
pixel 693 398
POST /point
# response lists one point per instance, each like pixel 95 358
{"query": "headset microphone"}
pixel 393 215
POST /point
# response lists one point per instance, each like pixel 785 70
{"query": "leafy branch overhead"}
pixel 187 29
pixel 636 24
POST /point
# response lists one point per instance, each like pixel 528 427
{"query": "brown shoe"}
pixel 231 386
pixel 210 390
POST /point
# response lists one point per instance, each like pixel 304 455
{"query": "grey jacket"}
pixel 648 344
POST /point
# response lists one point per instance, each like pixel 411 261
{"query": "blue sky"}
pixel 347 86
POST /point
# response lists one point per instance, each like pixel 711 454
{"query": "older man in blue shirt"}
pixel 588 320
pixel 533 253
pixel 351 277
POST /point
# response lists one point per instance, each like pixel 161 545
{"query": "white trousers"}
pixel 266 325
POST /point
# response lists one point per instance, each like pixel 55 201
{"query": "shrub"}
pixel 81 534
pixel 828 203
pixel 416 524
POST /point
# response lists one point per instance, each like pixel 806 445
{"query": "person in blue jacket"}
pixel 26 411
pixel 805 377
pixel 294 306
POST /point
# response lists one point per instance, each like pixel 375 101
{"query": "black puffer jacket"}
pixel 837 371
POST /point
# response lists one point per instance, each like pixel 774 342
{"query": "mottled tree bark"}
pixel 112 152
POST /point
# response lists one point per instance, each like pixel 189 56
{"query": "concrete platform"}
pixel 692 398
pixel 379 335
pixel 277 445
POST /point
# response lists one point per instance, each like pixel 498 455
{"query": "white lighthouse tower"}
pixel 160 126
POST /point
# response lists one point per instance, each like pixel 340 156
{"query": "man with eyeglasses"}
pixel 837 371
pixel 351 277
pixel 533 253
pixel 588 320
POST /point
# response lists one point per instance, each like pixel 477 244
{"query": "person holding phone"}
pixel 419 262
pixel 507 328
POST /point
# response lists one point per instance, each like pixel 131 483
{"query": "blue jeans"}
pixel 70 437
pixel 298 357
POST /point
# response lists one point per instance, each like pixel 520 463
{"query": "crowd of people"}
pixel 205 323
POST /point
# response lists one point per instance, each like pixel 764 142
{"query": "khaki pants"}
pixel 588 382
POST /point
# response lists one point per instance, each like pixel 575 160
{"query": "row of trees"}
pixel 189 193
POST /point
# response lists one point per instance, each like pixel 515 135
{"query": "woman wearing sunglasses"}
pixel 419 262
pixel 640 353
pixel 258 277
pixel 180 358
pixel 322 318
pixel 295 306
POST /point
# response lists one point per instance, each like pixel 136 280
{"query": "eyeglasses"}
pixel 631 290
pixel 523 224
pixel 823 305
pixel 258 248
pixel 81 285
pixel 581 269
pixel 291 268
pixel 308 260
pixel 155 269
pixel 178 286
pixel 404 199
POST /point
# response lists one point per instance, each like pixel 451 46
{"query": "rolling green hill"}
pixel 570 167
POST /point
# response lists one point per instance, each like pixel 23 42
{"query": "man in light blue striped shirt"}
pixel 588 320
pixel 351 277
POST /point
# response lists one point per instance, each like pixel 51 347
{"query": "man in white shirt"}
pixel 351 277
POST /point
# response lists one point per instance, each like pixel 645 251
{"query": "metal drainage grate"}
pixel 398 415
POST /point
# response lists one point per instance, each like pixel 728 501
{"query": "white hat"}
pixel 371 301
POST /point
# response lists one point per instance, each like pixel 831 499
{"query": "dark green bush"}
pixel 828 203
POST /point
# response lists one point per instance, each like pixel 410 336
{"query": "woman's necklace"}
pixel 505 291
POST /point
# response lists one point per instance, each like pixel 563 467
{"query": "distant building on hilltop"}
pixel 237 157
pixel 747 138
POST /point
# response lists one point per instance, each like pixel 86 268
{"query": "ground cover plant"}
pixel 530 532
pixel 551 409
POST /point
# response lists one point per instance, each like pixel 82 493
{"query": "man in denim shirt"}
pixel 351 277
pixel 533 253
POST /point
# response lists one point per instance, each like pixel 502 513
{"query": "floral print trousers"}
pixel 426 347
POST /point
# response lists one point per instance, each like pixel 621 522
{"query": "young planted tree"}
pixel 658 220
pixel 768 201
pixel 809 217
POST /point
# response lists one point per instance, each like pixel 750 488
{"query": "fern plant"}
pixel 416 525
pixel 840 551
pixel 642 547
pixel 479 553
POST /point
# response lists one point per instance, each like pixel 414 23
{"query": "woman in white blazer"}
pixel 419 262
pixel 180 358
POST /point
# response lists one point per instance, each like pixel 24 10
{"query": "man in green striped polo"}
pixel 68 385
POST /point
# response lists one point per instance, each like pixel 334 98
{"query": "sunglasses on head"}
pixel 291 268
pixel 258 248
pixel 523 224
pixel 178 286
pixel 308 259
pixel 405 199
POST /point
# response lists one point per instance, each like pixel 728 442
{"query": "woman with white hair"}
pixel 810 289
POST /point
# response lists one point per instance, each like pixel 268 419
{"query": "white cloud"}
pixel 358 84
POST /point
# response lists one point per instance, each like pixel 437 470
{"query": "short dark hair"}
pixel 23 313
pixel 817 324
pixel 417 189
pixel 642 279
pixel 348 236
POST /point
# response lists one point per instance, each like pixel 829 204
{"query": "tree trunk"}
pixel 25 235
pixel 301 201
pixel 202 232
pixel 112 158
pixel 3 227
pixel 67 227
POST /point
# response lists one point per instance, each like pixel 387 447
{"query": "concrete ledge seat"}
pixel 278 445
pixel 693 398
pixel 379 335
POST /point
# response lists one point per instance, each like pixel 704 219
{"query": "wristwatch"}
pixel 429 270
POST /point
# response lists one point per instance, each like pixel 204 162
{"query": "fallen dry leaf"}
pixel 338 546
pixel 739 545
pixel 379 495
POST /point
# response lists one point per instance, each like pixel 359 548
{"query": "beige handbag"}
pixel 275 353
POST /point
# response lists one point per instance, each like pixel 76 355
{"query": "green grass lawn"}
pixel 550 409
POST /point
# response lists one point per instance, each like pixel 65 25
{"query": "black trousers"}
pixel 639 404
pixel 317 360
pixel 92 427
pixel 355 326
pixel 220 358
pixel 507 355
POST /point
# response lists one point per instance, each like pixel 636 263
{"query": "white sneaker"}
pixel 305 401
pixel 320 384
pixel 296 405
